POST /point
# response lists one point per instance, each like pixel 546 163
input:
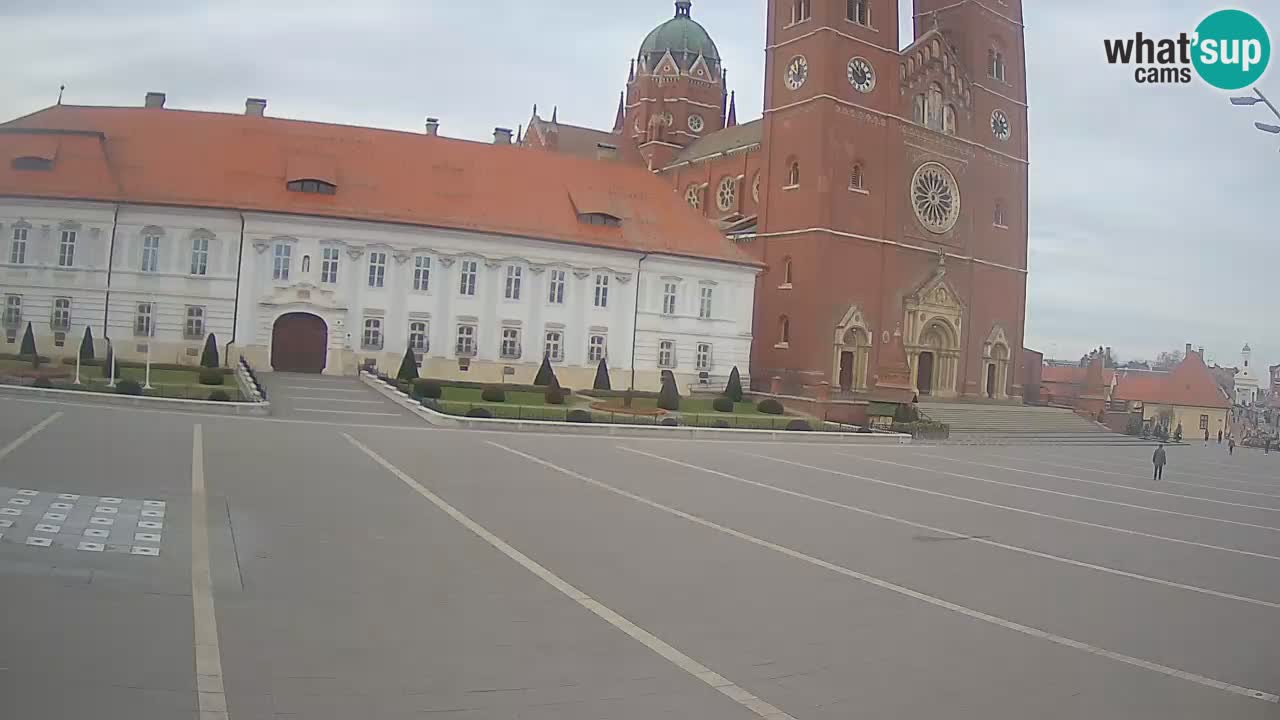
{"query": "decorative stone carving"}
pixel 261 246
pixel 581 274
pixel 446 261
pixel 355 252
pixel 623 278
pixel 401 257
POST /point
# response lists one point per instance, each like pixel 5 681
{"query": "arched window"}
pixel 799 10
pixel 784 330
pixel 917 109
pixel 859 11
pixel 933 107
pixel 786 272
pixel 995 63
pixel 949 119
pixel 793 174
pixel 855 177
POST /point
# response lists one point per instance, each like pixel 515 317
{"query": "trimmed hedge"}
pixel 136 364
pixel 479 413
pixel 578 416
pixel 722 404
pixel 219 396
pixel 924 429
pixel 553 396
pixel 427 389
pixel 769 406
pixel 611 394
pixel 721 423
pixel 801 425
pixel 211 378
pixel 493 394
pixel 128 387
pixel 472 385
pixel 26 358
pixel 670 422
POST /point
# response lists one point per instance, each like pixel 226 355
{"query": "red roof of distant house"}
pixel 242 162
pixel 1058 374
pixel 1189 384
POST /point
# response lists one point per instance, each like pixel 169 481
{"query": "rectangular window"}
pixel 467 281
pixel 194 327
pixel 1204 422
pixel 553 347
pixel 329 265
pixel 200 256
pixel 12 311
pixel 144 321
pixel 60 321
pixel 421 273
pixel 602 291
pixel 799 11
pixel 418 338
pixel 555 291
pixel 280 266
pixel 859 12
pixel 704 357
pixel 596 348
pixel 704 303
pixel 514 275
pixel 466 346
pixel 669 298
pixel 67 249
pixel 18 252
pixel 510 343
pixel 666 353
pixel 372 338
pixel 377 269
pixel 150 253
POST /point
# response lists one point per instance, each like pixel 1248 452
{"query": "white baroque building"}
pixel 1247 387
pixel 313 247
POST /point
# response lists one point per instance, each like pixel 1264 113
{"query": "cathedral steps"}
pixel 1010 424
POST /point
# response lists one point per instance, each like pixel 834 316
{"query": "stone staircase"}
pixel 981 423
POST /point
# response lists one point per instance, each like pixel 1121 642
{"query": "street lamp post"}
pixel 1258 97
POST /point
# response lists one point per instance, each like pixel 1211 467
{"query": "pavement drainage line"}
pixel 18 441
pixel 1033 488
pixel 908 592
pixel 1125 531
pixel 210 692
pixel 649 640
pixel 1163 480
pixel 1131 488
pixel 953 535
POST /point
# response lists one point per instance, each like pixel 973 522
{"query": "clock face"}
pixel 1000 125
pixel 861 75
pixel 695 123
pixel 797 72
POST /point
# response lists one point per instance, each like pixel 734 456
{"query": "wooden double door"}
pixel 299 343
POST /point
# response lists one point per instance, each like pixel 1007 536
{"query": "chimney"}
pixel 502 136
pixel 1201 352
pixel 1188 349
pixel 605 151
pixel 433 126
pixel 154 100
pixel 255 107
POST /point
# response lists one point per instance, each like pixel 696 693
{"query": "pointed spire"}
pixel 555 113
pixel 631 75
pixel 519 134
pixel 535 110
pixel 622 113
pixel 733 110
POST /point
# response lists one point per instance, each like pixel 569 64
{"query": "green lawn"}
pixel 472 395
pixel 687 405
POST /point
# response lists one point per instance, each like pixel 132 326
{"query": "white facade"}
pixel 1248 389
pixel 179 274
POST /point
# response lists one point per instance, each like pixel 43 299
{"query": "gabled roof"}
pixel 731 138
pixel 238 162
pixel 1188 384
pixel 576 140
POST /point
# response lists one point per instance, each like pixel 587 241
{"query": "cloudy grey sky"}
pixel 1148 203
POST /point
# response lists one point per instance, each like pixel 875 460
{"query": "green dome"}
pixel 684 38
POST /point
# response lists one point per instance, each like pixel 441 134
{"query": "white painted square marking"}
pixel 6 523
pixel 95 532
pixel 102 521
pixel 47 528
pixel 91 546
pixel 28 493
pixel 150 525
pixel 59 506
pixel 10 511
pixel 68 496
pixel 19 501
pixel 39 541
pixel 56 517
pixel 153 503
pixel 146 537
pixel 111 500
pixel 153 513
pixel 106 510
pixel 144 550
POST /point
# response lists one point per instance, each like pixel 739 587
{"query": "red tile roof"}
pixel 1189 384
pixel 216 160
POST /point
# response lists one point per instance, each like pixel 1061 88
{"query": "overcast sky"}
pixel 1148 203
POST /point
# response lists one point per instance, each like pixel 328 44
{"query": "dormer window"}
pixel 318 187
pixel 599 218
pixel 32 163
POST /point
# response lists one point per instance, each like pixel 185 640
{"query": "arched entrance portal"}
pixel 924 381
pixel 299 343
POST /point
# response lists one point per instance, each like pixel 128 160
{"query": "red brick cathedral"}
pixel 884 190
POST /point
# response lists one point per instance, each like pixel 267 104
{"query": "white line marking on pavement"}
pixel 1024 511
pixel 649 640
pixel 1064 494
pixel 209 689
pixel 324 389
pixel 18 441
pixel 908 592
pixel 1114 485
pixel 1254 483
pixel 345 412
pixel 967 536
pixel 340 400
pixel 1147 478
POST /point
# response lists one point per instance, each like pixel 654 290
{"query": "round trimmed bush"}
pixel 555 396
pixel 578 416
pixel 722 404
pixel 769 406
pixel 43 382
pixel 429 403
pixel 479 413
pixel 721 423
pixel 801 425
pixel 219 396
pixel 128 387
pixel 493 395
pixel 670 422
pixel 210 376
pixel 428 389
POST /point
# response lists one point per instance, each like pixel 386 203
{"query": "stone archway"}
pixel 852 352
pixel 933 320
pixel 936 359
pixel 299 343
pixel 995 365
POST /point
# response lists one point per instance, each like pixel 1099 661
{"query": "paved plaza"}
pixel 341 560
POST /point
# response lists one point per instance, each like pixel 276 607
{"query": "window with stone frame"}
pixel 419 337
pixel 372 337
pixel 553 345
pixel 60 318
pixel 510 348
pixel 666 353
pixel 596 348
pixel 193 328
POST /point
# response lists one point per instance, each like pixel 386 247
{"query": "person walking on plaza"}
pixel 1158 459
pixel 1266 447
pixel 1206 437
pixel 1219 437
pixel 1231 446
